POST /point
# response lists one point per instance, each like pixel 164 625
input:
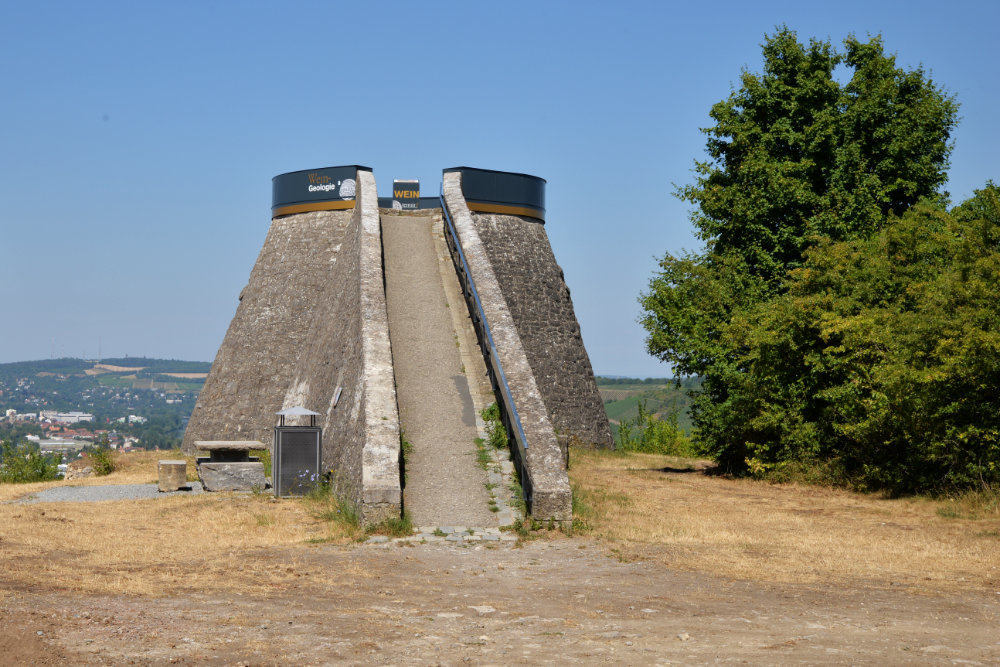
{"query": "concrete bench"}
pixel 229 466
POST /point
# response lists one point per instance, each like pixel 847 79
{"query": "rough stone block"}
pixel 172 475
pixel 245 476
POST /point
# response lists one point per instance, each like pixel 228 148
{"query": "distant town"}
pixel 66 405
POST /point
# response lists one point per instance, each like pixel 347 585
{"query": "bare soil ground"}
pixel 712 578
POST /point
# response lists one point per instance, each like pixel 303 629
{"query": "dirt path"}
pixel 566 601
pixel 444 484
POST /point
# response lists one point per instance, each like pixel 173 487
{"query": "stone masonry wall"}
pixel 260 352
pixel 348 348
pixel 543 467
pixel 311 320
pixel 540 303
pixel 331 357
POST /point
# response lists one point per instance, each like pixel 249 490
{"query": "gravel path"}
pixel 89 494
pixel 444 483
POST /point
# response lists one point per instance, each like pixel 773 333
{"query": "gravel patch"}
pixel 91 494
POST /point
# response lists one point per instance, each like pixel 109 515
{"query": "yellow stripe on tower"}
pixel 318 206
pixel 506 210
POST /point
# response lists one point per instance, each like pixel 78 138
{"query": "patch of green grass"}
pixel 527 527
pixel 324 504
pixel 975 504
pixel 393 527
pixel 949 512
pixel 583 511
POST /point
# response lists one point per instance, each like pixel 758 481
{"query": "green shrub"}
pixel 651 435
pixel 25 463
pixel 102 461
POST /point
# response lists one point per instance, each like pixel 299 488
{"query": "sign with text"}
pixel 328 188
pixel 406 195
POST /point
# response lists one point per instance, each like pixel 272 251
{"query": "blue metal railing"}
pixel 493 356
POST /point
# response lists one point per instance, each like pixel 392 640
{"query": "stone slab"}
pixel 228 445
pixel 172 475
pixel 243 476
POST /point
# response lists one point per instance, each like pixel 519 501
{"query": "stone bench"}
pixel 229 466
pixel 172 475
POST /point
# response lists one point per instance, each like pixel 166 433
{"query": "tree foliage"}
pixel 795 156
pixel 882 359
pixel 839 315
pixel 23 462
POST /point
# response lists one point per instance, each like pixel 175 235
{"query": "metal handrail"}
pixel 494 356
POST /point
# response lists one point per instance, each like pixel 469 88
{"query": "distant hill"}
pixel 161 391
pixel 662 396
pixel 66 384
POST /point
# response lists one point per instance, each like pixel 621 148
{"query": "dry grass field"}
pixel 698 522
pixel 789 533
pixel 154 547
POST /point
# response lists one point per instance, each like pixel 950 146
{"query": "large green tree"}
pixel 795 159
pixel 796 156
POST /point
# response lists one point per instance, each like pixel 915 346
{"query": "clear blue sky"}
pixel 138 140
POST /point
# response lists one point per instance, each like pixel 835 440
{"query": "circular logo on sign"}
pixel 347 188
pixel 396 206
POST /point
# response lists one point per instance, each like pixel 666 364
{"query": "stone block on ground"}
pixel 172 475
pixel 246 476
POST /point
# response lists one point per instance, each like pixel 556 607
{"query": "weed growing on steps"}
pixel 405 449
pixel 517 493
pixel 482 454
pixel 496 432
